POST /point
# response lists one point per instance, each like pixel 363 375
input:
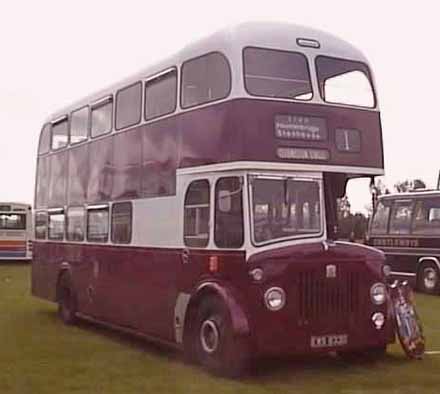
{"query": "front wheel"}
pixel 428 278
pixel 216 346
pixel 66 300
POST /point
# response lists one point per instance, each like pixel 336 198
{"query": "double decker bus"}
pixel 195 203
pixel 15 231
pixel 406 227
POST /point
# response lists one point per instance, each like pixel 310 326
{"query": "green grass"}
pixel 38 354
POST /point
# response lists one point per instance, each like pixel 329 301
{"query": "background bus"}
pixel 406 226
pixel 15 231
pixel 195 202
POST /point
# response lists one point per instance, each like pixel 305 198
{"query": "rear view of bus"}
pixel 15 231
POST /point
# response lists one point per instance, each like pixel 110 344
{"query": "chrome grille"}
pixel 319 297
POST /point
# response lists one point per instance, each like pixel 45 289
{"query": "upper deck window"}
pixel 274 73
pixel 205 79
pixel 60 133
pixel 79 125
pixel 102 117
pixel 161 95
pixel 44 144
pixel 128 106
pixel 345 82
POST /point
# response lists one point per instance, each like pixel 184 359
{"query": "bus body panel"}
pixel 137 288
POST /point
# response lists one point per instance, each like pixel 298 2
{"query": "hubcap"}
pixel 209 336
pixel 430 278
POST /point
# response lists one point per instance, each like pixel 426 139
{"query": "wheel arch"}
pixel 424 259
pixel 239 318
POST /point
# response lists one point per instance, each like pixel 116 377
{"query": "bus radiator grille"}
pixel 320 298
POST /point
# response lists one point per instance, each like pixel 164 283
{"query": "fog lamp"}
pixel 378 319
pixel 378 293
pixel 275 298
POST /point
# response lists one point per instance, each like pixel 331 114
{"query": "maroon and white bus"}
pixel 194 203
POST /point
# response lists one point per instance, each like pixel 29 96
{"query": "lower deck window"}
pixel 56 226
pixel 229 212
pixel 196 216
pixel 75 224
pixel 97 224
pixel 41 225
pixel 121 223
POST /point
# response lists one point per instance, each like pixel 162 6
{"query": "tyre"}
pixel 428 278
pixel 66 300
pixel 216 347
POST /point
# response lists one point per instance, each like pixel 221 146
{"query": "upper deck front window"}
pixel 284 208
pixel 274 73
pixel 345 82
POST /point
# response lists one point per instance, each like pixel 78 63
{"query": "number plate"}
pixel 328 341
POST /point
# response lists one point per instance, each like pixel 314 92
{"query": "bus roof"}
pixel 231 42
pixel 410 194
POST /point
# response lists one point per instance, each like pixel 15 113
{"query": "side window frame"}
pixel 108 100
pixel 83 227
pixel 115 109
pixel 392 211
pixel 152 79
pixel 46 129
pixel 182 90
pixel 56 212
pixel 387 227
pixel 45 224
pixel 64 118
pixel 87 136
pixel 197 206
pixel 112 219
pixel 218 212
pixel 94 208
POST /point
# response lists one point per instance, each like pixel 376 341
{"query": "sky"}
pixel 55 52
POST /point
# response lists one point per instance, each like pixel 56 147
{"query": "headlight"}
pixel 378 293
pixel 275 298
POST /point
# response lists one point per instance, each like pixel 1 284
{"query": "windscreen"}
pixel 285 208
pixel 12 221
pixel 274 73
pixel 345 82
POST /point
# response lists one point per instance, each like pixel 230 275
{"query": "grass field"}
pixel 38 354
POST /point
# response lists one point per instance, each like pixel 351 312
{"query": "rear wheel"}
pixel 66 300
pixel 428 278
pixel 216 347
